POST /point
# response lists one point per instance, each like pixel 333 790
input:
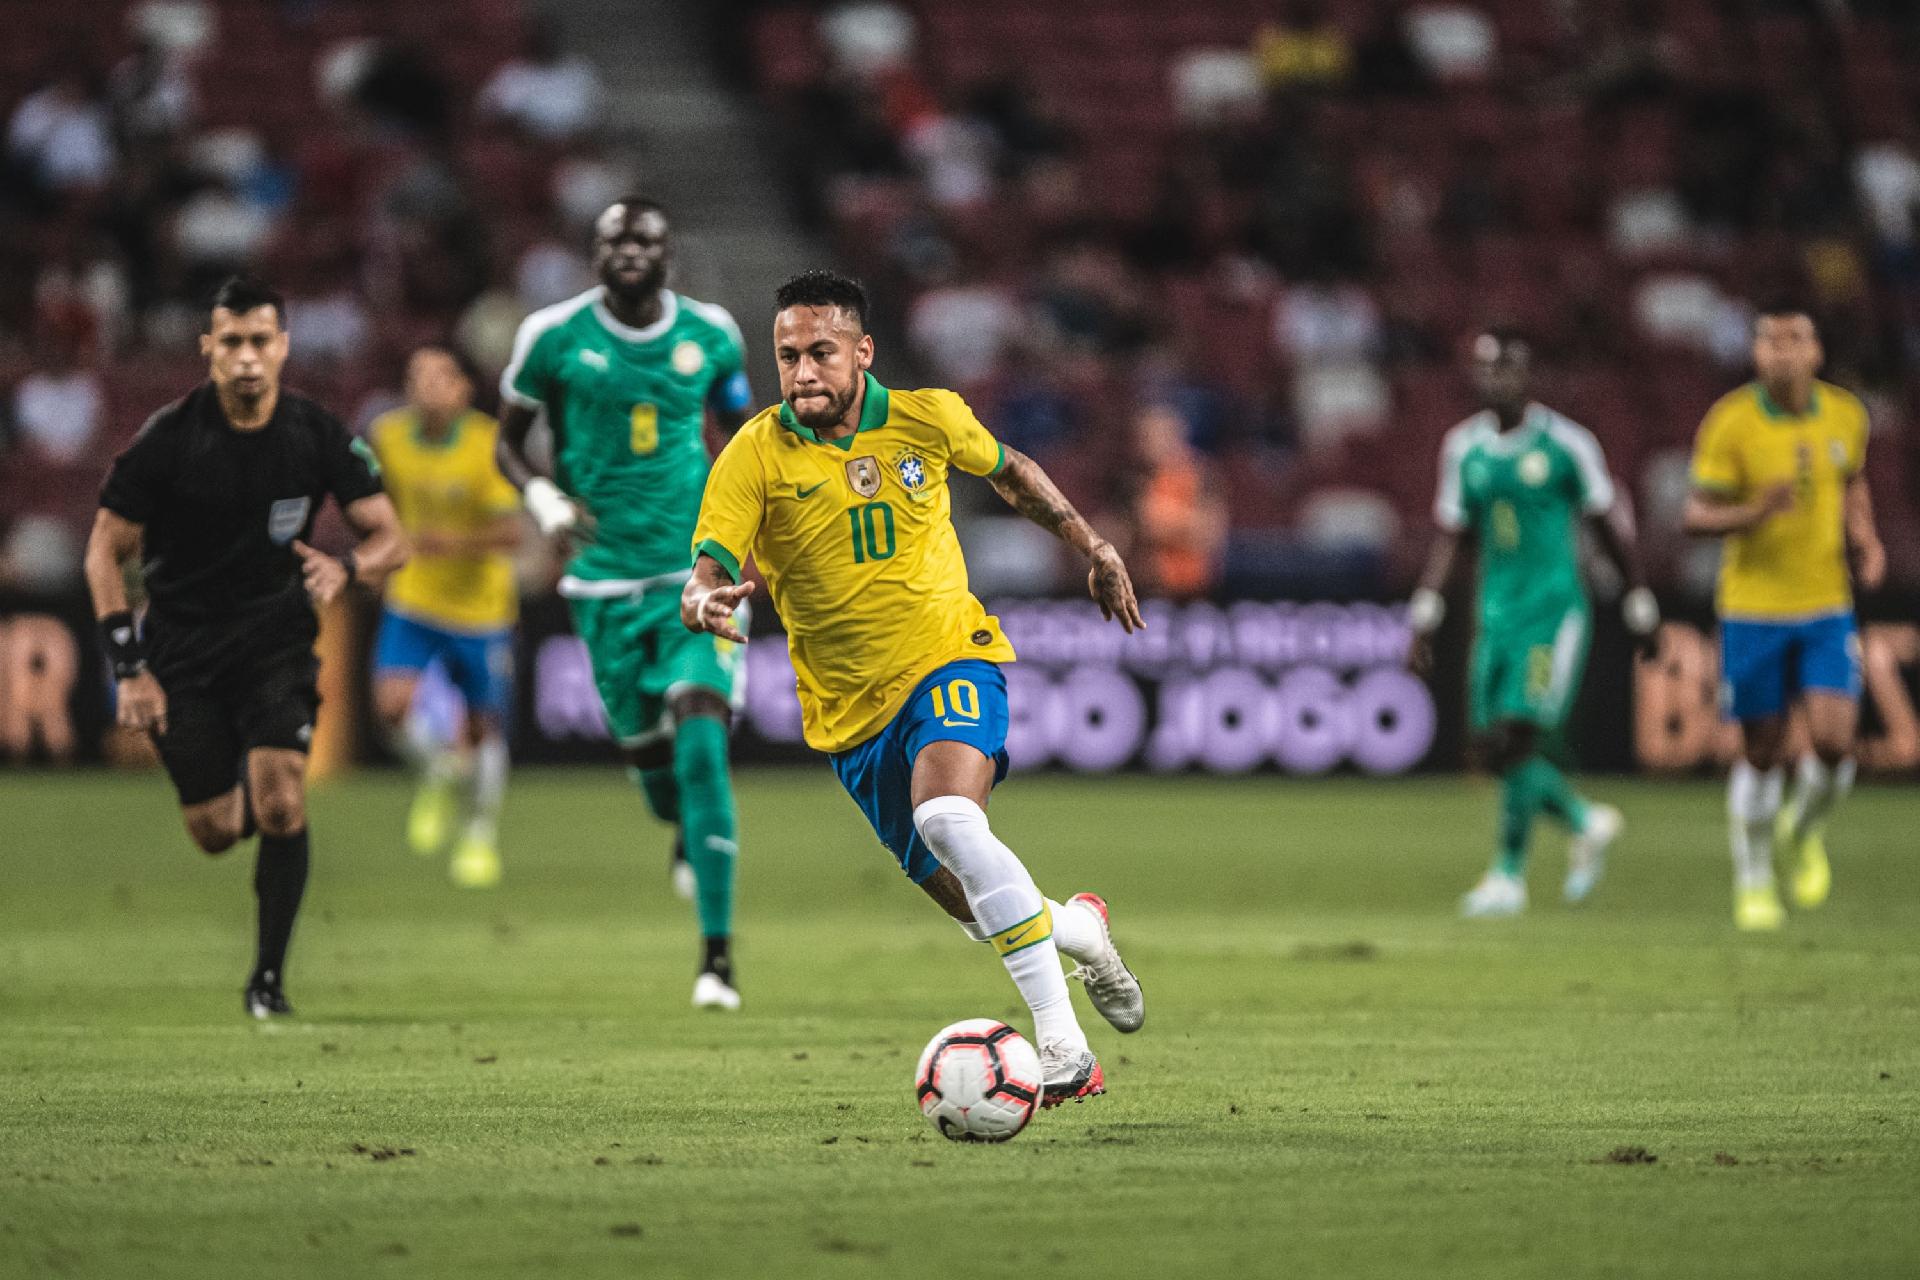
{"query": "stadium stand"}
pixel 1284 218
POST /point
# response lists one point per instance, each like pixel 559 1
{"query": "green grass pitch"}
pixel 1336 1078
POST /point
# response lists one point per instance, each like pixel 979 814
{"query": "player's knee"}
pixel 213 832
pixel 689 704
pixel 280 811
pixel 1832 747
pixel 392 700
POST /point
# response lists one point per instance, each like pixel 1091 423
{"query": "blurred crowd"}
pixel 401 174
pixel 1215 263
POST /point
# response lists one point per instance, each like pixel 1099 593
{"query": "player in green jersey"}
pixel 626 374
pixel 1517 481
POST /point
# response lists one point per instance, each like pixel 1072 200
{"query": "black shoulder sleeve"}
pixel 137 482
pixel 347 462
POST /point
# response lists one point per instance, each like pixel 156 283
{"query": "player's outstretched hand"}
pixel 714 611
pixel 1108 583
pixel 325 577
pixel 142 703
pixel 1777 500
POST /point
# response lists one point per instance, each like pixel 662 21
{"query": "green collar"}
pixel 425 441
pixel 1774 410
pixel 873 415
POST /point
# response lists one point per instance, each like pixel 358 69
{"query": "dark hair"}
pixel 461 360
pixel 241 294
pixel 822 288
pixel 1781 307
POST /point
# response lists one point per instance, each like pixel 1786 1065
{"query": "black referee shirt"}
pixel 222 507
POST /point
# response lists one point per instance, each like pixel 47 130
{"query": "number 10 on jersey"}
pixel 872 528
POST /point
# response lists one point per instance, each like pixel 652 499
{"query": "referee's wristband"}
pixel 125 650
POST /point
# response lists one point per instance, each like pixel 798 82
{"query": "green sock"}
pixel 662 793
pixel 707 817
pixel 1519 801
pixel 1556 796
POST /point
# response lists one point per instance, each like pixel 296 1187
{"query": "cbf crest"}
pixel 863 474
pixel 912 470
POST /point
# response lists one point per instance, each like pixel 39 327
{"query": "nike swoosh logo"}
pixel 960 724
pixel 1018 936
pixel 798 492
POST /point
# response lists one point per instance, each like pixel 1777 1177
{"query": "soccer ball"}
pixel 978 1081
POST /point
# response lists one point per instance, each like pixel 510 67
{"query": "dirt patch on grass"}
pixel 1628 1155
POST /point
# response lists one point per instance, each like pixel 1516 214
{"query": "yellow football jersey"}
pixel 1794 564
pixel 855 537
pixel 448 486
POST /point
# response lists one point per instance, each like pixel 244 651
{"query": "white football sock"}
pixel 1007 906
pixel 1076 930
pixel 414 742
pixel 489 778
pixel 1817 790
pixel 1753 801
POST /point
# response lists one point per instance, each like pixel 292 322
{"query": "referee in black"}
pixel 216 497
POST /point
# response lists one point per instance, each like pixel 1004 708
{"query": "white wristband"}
pixel 549 507
pixel 1640 611
pixel 1426 610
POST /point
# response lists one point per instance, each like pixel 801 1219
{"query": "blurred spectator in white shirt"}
pixel 1888 179
pixel 869 38
pixel 1452 41
pixel 62 136
pixel 57 409
pixel 152 94
pixel 1326 323
pixel 545 93
pixel 960 330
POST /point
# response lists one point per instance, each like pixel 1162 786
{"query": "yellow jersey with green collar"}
pixel 855 539
pixel 1792 565
pixel 450 486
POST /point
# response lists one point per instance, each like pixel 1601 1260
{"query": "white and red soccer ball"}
pixel 978 1081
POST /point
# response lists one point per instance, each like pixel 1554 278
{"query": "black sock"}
pixel 248 827
pixel 279 879
pixel 718 961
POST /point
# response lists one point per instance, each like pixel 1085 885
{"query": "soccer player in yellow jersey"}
pixel 840 495
pixel 454 604
pixel 1777 473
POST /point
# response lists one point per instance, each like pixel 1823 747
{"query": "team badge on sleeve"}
pixel 285 518
pixel 864 475
pixel 912 472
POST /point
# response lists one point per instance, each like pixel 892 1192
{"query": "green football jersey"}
pixel 1523 494
pixel 627 408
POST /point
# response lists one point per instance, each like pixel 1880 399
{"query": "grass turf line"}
pixel 1336 1077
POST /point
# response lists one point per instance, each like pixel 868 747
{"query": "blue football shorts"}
pixel 478 664
pixel 1765 665
pixel 964 701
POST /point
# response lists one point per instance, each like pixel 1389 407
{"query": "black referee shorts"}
pixel 263 699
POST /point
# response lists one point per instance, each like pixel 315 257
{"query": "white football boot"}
pixel 1111 986
pixel 1069 1073
pixel 710 991
pixel 1587 852
pixel 1497 896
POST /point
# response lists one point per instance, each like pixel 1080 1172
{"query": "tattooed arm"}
pixel 1027 490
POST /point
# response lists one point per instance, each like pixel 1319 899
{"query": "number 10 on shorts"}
pixel 961 696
